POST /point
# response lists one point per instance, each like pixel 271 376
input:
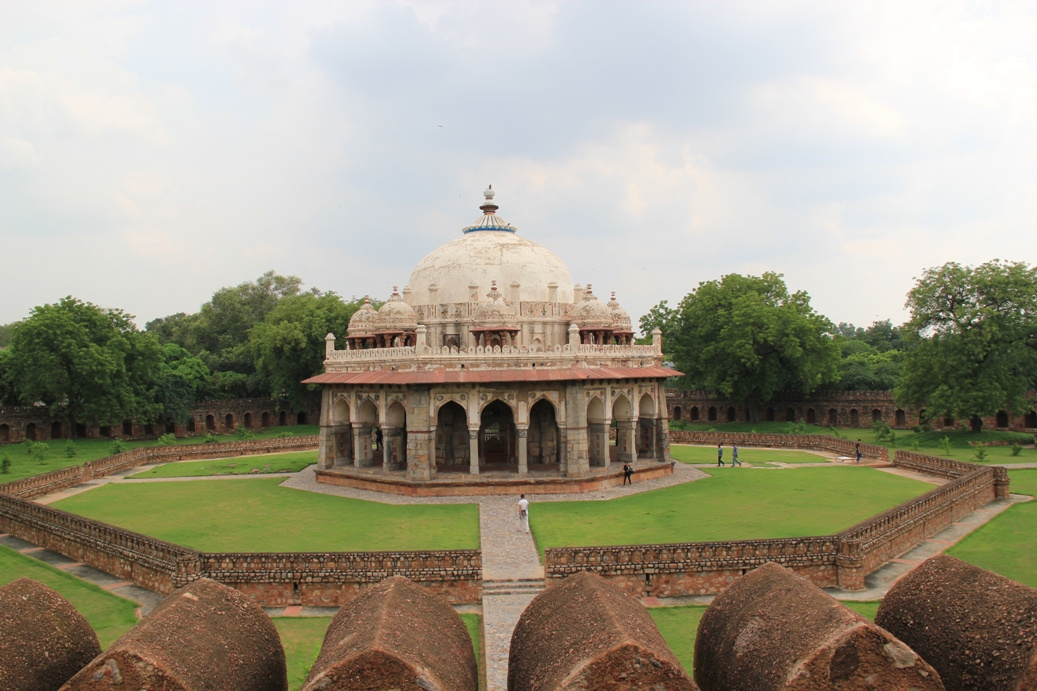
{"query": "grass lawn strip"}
pixel 730 505
pixel 110 615
pixel 1005 545
pixel 256 515
pixel 291 462
pixel 747 455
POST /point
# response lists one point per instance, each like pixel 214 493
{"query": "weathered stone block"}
pixel 44 641
pixel 395 635
pixel 977 628
pixel 774 630
pixel 204 636
pixel 585 633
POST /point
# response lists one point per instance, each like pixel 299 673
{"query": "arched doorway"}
pixel 854 417
pixel 694 413
pixel 1002 418
pixel 247 421
pixel 900 418
pixel 623 416
pixel 228 422
pixel 646 427
pixel 732 415
pixel 341 434
pixel 833 417
pixel 790 415
pixel 597 432
pixel 264 420
pixel 542 446
pixel 367 449
pixel 30 431
pixel 811 416
pixel 394 438
pixel 711 414
pixel 452 438
pixel 282 419
pixel 1031 419
pixel 55 430
pixel 5 433
pixel 676 412
pixel 497 435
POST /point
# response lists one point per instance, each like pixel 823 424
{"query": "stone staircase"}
pixel 513 586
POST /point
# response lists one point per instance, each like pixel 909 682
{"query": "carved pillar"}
pixel 473 450
pixel 625 437
pixel 358 444
pixel 523 449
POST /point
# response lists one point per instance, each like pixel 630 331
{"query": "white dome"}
pixel 591 312
pixel 396 314
pixel 489 250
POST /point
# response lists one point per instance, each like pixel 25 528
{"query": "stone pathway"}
pixel 512 573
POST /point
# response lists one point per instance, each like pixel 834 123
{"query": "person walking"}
pixel 734 456
pixel 628 472
pixel 858 450
pixel 523 504
pixel 720 455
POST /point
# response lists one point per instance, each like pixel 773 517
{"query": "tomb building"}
pixel 490 362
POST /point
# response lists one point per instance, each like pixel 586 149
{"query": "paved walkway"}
pixel 512 573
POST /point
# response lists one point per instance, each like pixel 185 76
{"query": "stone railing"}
pixel 816 442
pixel 64 478
pixel 841 560
pixel 518 354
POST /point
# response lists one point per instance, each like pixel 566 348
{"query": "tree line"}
pixel 968 350
pixel 92 365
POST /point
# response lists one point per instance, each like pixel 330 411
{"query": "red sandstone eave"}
pixel 442 375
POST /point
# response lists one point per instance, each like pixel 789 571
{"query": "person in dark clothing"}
pixel 628 472
pixel 720 455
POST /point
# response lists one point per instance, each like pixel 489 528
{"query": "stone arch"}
pixel 876 415
pixel 597 431
pixel 247 421
pixel 811 417
pixel 264 420
pixel 711 414
pixel 190 425
pixel 900 418
pixel 282 419
pixel 228 421
pixel 497 434
pixel 1031 419
pixel 394 442
pixel 149 430
pixel 854 417
pixel 948 421
pixel 341 433
pixel 646 427
pixel 542 442
pixel 127 428
pixel 366 441
pixel 452 437
pixel 677 412
pixel 30 431
pixel 790 415
pixel 833 417
pixel 170 427
pixel 1002 418
pixel 55 430
pixel 300 417
pixel 694 413
pixel 732 414
pixel 769 415
pixel 5 433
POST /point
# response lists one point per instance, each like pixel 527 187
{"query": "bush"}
pixel 5 464
pixel 117 446
pixel 883 432
pixel 244 434
pixel 38 450
pixel 285 434
pixel 209 438
pixel 945 444
pixel 981 452
pixel 1016 449
pixel 167 439
pixel 70 449
pixel 796 428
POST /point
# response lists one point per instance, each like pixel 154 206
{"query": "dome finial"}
pixel 488 207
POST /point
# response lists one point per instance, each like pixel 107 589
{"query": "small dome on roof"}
pixel 496 311
pixel 591 312
pixel 362 321
pixel 396 315
pixel 620 317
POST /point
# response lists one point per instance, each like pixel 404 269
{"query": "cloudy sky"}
pixel 152 153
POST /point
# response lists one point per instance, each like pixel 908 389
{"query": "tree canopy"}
pixel 748 338
pixel 90 364
pixel 972 341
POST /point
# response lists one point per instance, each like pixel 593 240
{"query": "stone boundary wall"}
pixel 271 579
pixel 817 442
pixel 64 478
pixel 841 560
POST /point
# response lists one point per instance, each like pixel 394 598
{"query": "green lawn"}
pixel 56 456
pixel 1005 545
pixel 734 504
pixel 255 515
pixel 748 456
pixel 238 465
pixel 303 636
pixel 110 615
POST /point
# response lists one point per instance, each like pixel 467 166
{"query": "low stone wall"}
pixel 64 478
pixel 841 560
pixel 817 442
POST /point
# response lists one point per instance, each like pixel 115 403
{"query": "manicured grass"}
pixel 1005 545
pixel 303 636
pixel 679 627
pixel 238 465
pixel 734 504
pixel 867 609
pixel 55 458
pixel 256 515
pixel 110 615
pixel 748 456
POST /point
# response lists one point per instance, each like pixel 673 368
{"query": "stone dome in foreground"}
pixel 489 250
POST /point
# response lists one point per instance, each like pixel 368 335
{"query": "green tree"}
pixel 288 346
pixel 748 338
pixel 658 317
pixel 183 380
pixel 972 341
pixel 864 367
pixel 88 364
pixel 6 330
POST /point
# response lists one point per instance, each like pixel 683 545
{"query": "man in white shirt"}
pixel 524 512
